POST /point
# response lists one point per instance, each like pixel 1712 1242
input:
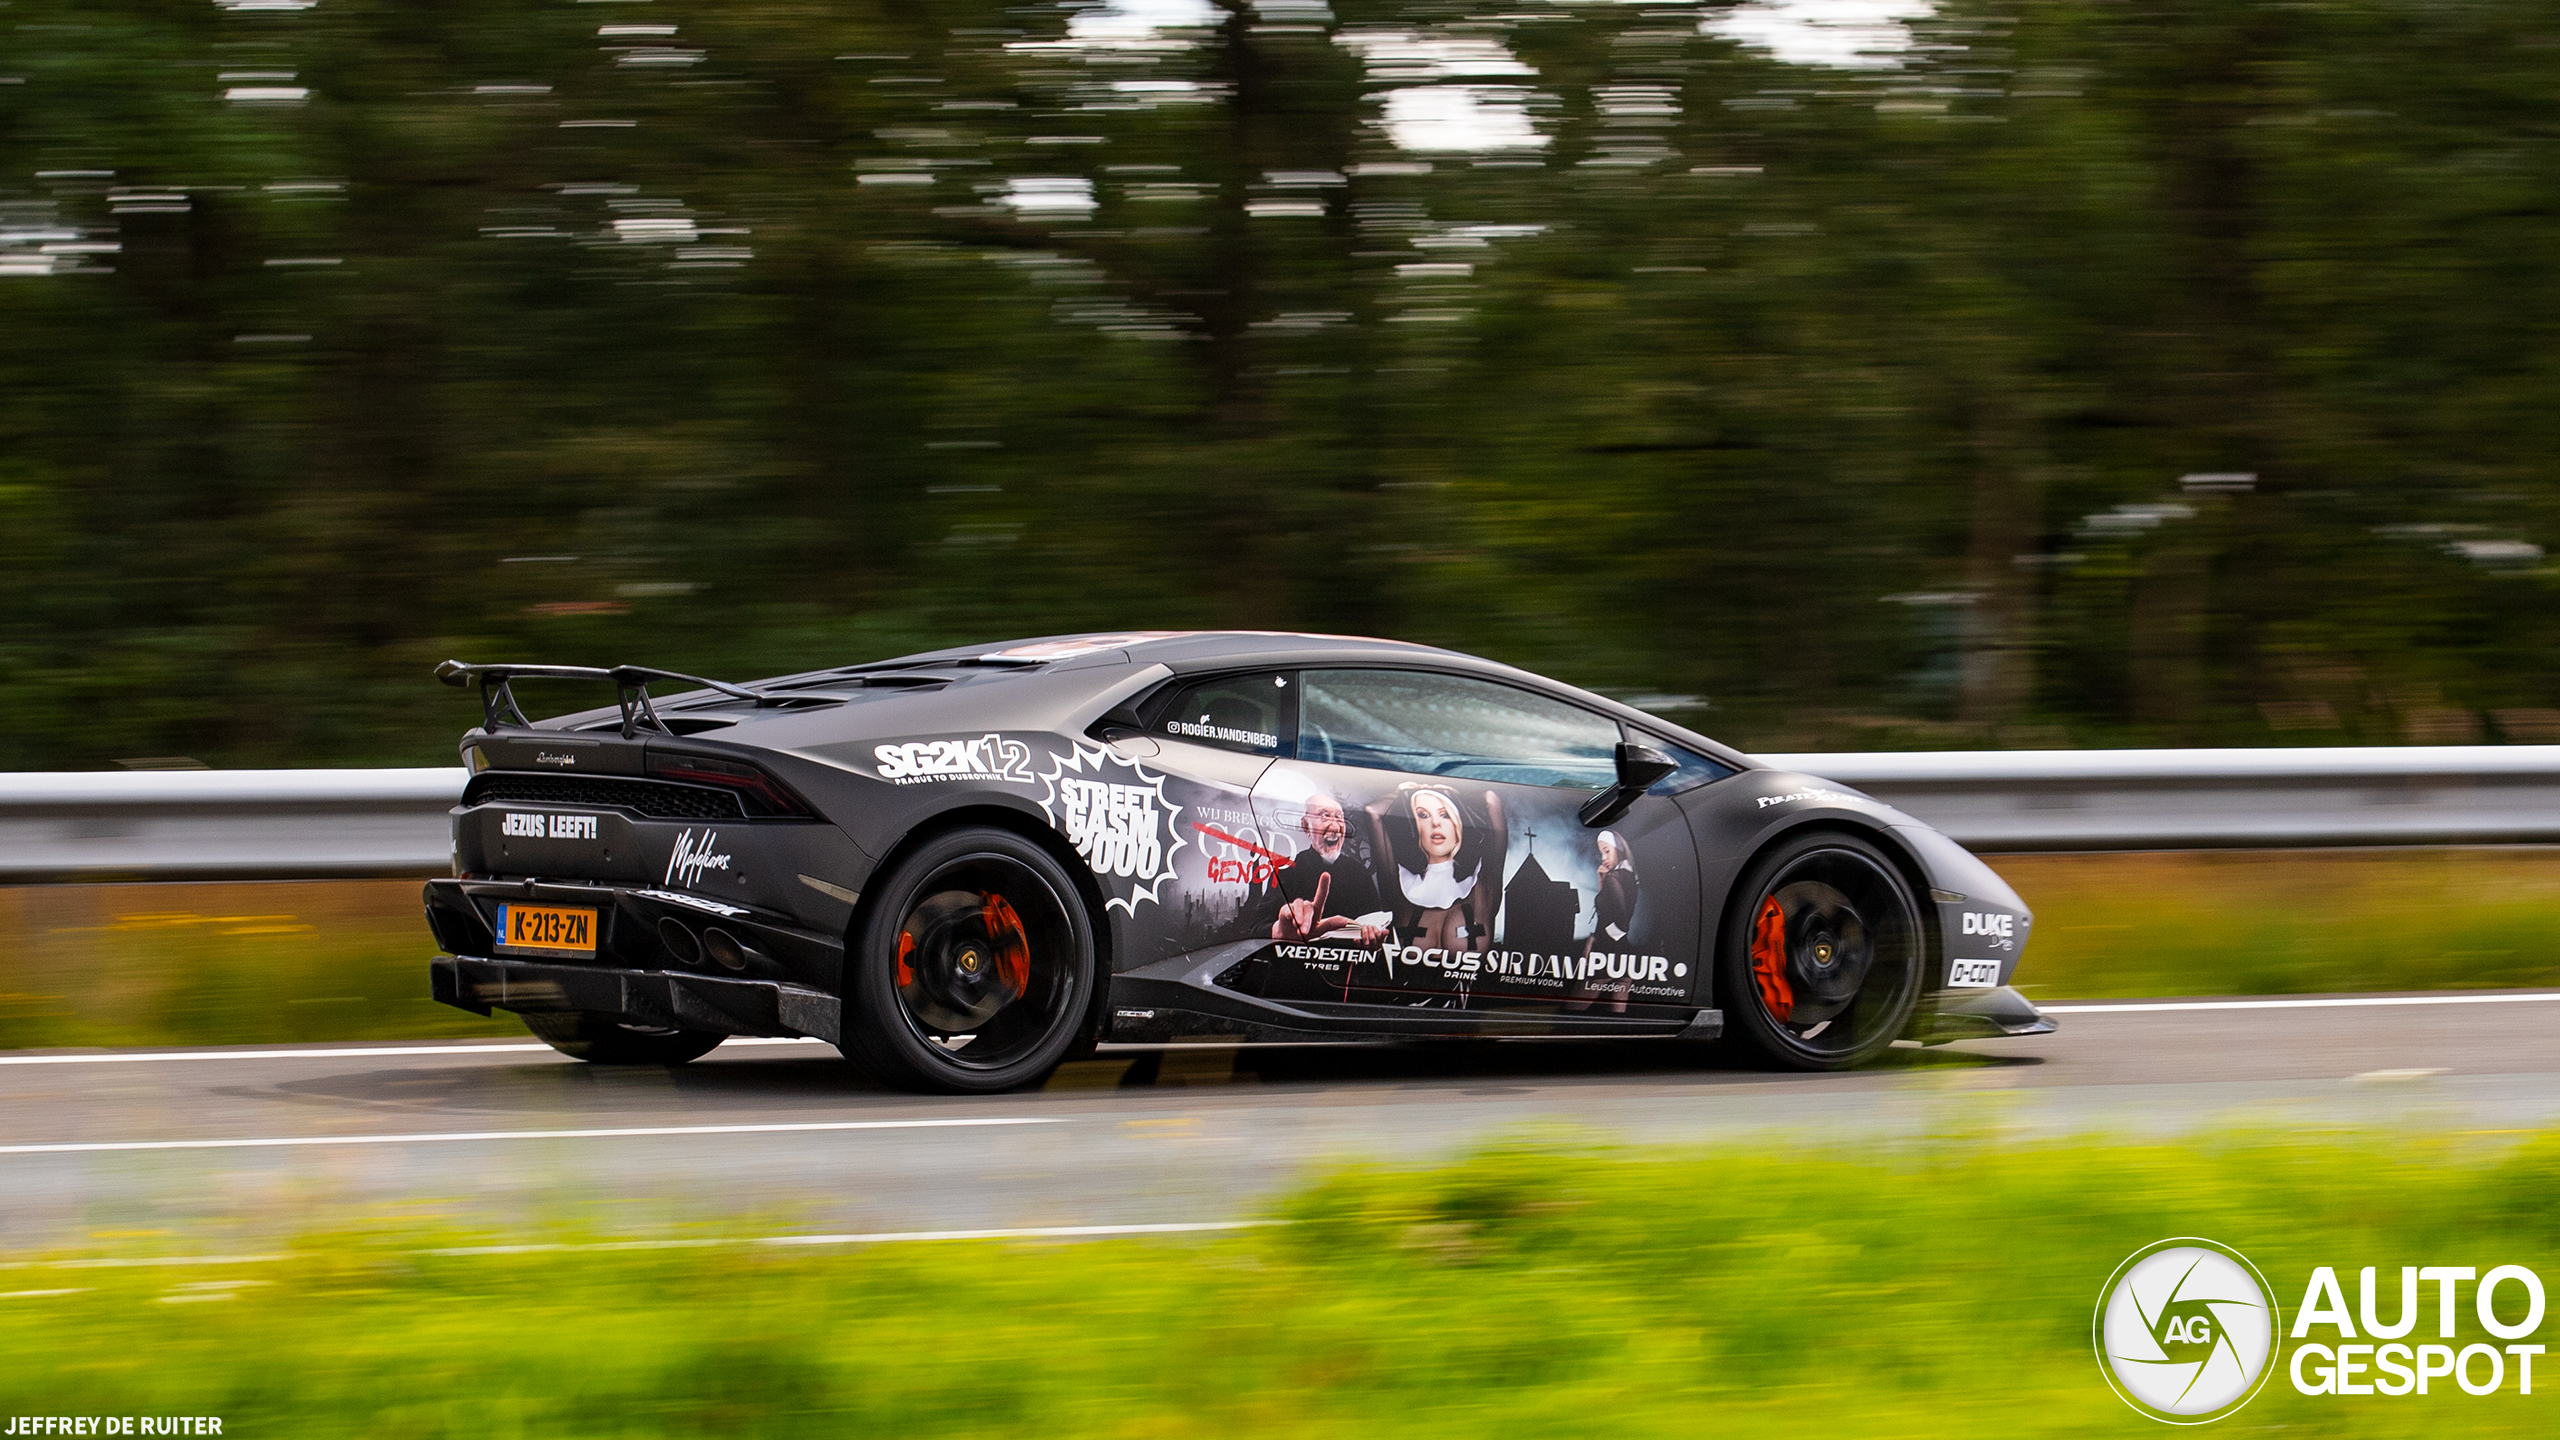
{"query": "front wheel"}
pixel 1822 962
pixel 605 1040
pixel 975 971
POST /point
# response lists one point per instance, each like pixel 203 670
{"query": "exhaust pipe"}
pixel 728 949
pixel 679 941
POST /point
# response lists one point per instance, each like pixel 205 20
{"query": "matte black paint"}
pixel 1001 741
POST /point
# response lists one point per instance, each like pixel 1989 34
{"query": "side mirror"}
pixel 1639 766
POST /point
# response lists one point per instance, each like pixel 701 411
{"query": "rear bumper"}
pixel 633 924
pixel 1979 1015
pixel 640 997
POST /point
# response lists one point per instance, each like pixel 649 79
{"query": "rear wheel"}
pixel 607 1040
pixel 1822 965
pixel 975 972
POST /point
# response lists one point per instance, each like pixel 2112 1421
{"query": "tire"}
pixel 975 972
pixel 1822 961
pixel 606 1040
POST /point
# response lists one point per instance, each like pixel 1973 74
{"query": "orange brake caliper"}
pixel 1013 945
pixel 1769 960
pixel 906 947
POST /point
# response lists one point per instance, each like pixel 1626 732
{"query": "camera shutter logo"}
pixel 2185 1331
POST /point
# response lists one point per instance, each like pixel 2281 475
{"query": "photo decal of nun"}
pixel 1619 890
pixel 1445 849
pixel 1614 911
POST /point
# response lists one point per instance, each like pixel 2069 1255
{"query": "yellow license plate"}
pixel 550 928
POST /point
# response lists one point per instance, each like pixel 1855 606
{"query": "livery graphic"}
pixel 554 827
pixel 1999 932
pixel 1413 890
pixel 1972 974
pixel 921 762
pixel 691 858
pixel 1116 814
pixel 1496 971
pixel 1792 796
pixel 1232 848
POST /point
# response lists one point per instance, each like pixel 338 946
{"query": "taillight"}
pixel 764 794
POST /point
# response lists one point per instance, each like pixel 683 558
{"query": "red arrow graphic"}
pixel 1278 861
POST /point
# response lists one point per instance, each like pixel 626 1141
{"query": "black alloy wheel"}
pixel 1821 966
pixel 975 973
pixel 609 1040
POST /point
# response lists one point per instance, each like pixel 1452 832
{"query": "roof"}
pixel 963 673
pixel 1187 651
pixel 1174 647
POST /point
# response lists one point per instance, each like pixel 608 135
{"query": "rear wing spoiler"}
pixel 499 710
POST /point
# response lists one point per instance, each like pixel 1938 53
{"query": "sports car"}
pixel 964 867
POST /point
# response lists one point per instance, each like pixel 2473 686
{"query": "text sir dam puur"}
pixel 1599 964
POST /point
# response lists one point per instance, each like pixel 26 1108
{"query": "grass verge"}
pixel 2289 922
pixel 244 963
pixel 1532 1291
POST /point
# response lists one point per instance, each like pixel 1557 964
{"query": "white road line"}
pixel 2141 1006
pixel 2131 1007
pixel 881 1237
pixel 445 1137
pixel 123 1263
pixel 510 1047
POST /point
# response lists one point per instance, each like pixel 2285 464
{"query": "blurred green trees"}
pixel 1875 404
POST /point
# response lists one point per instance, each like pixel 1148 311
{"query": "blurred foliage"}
pixel 1943 1288
pixel 220 964
pixel 2287 922
pixel 271 964
pixel 1853 399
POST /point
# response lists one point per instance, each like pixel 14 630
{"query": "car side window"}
pixel 1450 725
pixel 1250 714
pixel 1695 769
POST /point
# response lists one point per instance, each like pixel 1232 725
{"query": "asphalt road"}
pixel 235 1148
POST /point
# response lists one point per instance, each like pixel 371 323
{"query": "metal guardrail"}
pixel 322 824
pixel 227 824
pixel 2016 800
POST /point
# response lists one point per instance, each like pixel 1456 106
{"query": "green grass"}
pixel 276 963
pixel 2275 922
pixel 220 964
pixel 1937 1290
